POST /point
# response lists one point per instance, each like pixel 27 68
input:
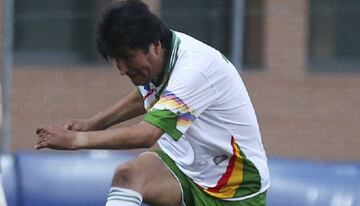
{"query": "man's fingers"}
pixel 41 145
pixel 42 138
pixel 39 130
pixel 67 126
pixel 54 137
pixel 42 128
pixel 43 133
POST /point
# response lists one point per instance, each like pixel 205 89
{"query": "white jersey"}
pixel 211 130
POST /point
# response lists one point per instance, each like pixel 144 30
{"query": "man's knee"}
pixel 127 176
pixel 150 177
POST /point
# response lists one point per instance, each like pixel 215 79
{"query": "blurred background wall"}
pixel 299 59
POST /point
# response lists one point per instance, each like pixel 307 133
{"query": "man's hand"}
pixel 56 137
pixel 80 125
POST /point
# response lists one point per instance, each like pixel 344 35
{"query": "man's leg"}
pixel 147 178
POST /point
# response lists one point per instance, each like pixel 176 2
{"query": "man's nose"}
pixel 121 66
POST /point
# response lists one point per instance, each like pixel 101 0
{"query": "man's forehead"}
pixel 129 51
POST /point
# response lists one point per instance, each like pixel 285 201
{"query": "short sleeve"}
pixel 187 95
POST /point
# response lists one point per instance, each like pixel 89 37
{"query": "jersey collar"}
pixel 171 59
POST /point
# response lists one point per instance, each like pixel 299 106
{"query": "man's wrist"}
pixel 81 140
pixel 97 123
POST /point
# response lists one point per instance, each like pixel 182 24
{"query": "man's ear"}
pixel 157 47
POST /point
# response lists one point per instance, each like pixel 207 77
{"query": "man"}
pixel 196 108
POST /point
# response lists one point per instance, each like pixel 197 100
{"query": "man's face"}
pixel 139 66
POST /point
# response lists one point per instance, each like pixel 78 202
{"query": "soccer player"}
pixel 196 109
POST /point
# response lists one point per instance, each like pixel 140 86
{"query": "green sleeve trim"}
pixel 165 120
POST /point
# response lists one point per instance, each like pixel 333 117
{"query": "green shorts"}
pixel 194 196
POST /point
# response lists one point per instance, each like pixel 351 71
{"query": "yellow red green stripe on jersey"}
pixel 239 179
pixel 170 101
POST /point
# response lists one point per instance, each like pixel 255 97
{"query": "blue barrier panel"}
pixel 9 179
pixel 302 183
pixel 84 178
pixel 62 178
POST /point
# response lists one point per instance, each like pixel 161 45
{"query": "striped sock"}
pixel 123 197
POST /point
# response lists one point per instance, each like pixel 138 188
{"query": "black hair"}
pixel 129 25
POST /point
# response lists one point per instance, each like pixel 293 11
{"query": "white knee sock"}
pixel 123 197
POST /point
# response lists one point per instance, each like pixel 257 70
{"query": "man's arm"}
pixel 126 108
pixel 141 135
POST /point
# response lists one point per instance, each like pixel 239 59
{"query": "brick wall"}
pixel 310 116
pixel 302 114
pixel 53 95
pixel 285 36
